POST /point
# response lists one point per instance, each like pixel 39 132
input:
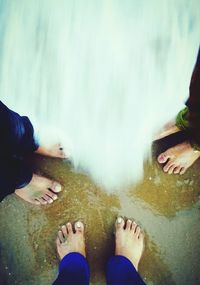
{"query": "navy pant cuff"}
pixel 120 270
pixel 73 270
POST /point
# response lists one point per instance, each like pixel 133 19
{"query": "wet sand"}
pixel 166 206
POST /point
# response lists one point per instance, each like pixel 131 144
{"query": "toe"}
pixel 55 187
pixel 163 157
pixel 69 228
pixel 62 153
pixel 60 236
pixel 51 194
pixel 167 166
pixel 128 224
pixel 41 201
pixel 58 243
pixel 64 231
pixel 45 198
pixel 171 169
pixel 177 169
pixel 141 235
pixel 48 199
pixel 79 227
pixel 134 226
pixel 119 224
pixel 183 170
pixel 138 231
pixel 36 202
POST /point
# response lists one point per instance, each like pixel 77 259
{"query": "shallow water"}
pixel 166 206
pixel 94 70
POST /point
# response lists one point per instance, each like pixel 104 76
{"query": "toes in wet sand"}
pixel 55 151
pixel 71 240
pixel 179 158
pixel 129 240
pixel 40 191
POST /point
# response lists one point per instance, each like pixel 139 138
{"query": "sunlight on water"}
pixel 105 75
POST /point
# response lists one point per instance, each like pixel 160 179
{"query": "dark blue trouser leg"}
pixel 120 271
pixel 14 174
pixel 17 141
pixel 73 270
pixel 17 133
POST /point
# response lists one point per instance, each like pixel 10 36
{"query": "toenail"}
pixel 161 158
pixel 119 220
pixel 58 188
pixel 78 224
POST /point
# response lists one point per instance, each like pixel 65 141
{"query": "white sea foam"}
pixel 101 75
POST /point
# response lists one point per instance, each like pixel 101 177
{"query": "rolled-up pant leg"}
pixel 14 174
pixel 73 270
pixel 17 133
pixel 120 271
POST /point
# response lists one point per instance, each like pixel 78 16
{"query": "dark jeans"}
pixel 74 270
pixel 16 142
pixel 193 103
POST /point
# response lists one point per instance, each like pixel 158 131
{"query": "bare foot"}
pixel 129 240
pixel 179 158
pixel 69 241
pixel 40 191
pixel 53 151
pixel 168 129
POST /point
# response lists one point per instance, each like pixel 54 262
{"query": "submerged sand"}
pixel 166 206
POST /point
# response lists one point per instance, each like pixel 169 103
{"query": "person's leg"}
pixel 189 117
pixel 17 140
pixel 168 129
pixel 39 190
pixel 179 158
pixel 16 133
pixel 73 269
pixel 123 267
pixel 17 136
pixel 16 176
pixel 30 144
pixel 14 173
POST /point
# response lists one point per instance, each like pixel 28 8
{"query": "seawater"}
pixel 99 76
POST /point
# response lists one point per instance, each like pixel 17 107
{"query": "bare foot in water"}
pixel 52 151
pixel 69 241
pixel 129 240
pixel 179 158
pixel 40 191
pixel 168 129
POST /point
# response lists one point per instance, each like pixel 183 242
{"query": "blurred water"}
pixel 103 74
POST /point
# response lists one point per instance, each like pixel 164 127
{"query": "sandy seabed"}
pixel 166 206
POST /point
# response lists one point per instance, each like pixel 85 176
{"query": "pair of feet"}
pixel 41 190
pixel 179 158
pixel 129 240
